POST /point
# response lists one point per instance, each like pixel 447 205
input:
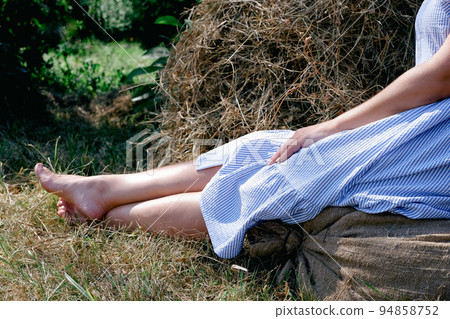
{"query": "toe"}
pixel 38 168
pixel 69 213
pixel 62 202
pixel 46 177
pixel 61 212
pixel 41 171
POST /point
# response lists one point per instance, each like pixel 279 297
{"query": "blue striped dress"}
pixel 399 164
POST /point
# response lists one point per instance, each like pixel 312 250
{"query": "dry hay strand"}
pixel 242 66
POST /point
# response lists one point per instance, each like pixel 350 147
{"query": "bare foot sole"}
pixel 80 197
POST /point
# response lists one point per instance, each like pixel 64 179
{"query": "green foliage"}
pixel 28 29
pixel 91 66
pixel 124 19
pixel 39 38
pixel 148 89
pixel 169 20
pixel 151 26
pixel 31 27
pixel 113 15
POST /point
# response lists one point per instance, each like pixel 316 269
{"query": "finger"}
pixel 290 149
pixel 274 157
pixel 280 154
pixel 284 156
pixel 286 150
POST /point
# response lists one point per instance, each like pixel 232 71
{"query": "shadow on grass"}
pixel 77 134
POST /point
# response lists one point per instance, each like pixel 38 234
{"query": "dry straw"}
pixel 242 66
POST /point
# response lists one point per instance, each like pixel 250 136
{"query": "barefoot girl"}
pixel 389 154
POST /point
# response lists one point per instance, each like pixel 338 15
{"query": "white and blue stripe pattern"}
pixel 432 28
pixel 400 164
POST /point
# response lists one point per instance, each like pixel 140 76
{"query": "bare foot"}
pixel 80 196
pixel 69 213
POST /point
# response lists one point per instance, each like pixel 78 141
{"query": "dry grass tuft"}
pixel 242 66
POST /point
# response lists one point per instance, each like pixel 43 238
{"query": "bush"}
pixel 125 19
pixel 32 28
pixel 112 15
pixel 151 34
pixel 28 29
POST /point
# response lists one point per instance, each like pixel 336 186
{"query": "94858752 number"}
pixel 409 310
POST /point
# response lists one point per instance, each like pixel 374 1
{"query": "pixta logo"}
pixel 141 148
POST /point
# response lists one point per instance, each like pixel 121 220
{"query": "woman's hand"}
pixel 303 137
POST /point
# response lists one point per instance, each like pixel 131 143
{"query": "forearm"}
pixel 421 85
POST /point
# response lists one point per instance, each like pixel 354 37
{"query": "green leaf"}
pixel 141 71
pixel 169 20
pixel 77 286
pixel 161 62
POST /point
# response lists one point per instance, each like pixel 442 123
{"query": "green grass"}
pixel 92 66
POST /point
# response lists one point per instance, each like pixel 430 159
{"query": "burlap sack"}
pixel 345 254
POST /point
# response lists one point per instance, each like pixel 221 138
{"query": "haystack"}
pixel 242 66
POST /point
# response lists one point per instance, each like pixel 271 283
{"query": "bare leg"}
pixel 93 196
pixel 174 215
